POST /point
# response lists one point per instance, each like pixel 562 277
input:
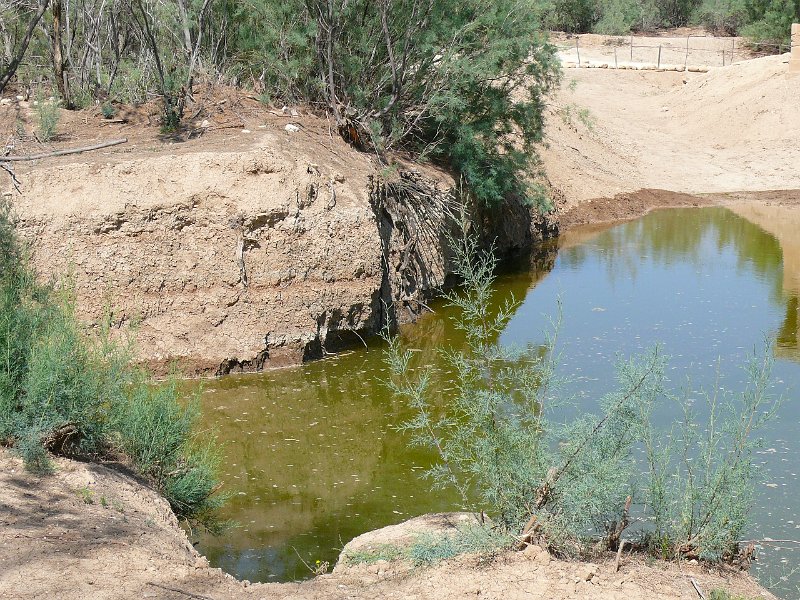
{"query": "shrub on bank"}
pixel 65 393
pixel 505 446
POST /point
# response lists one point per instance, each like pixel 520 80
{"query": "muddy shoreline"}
pixel 629 206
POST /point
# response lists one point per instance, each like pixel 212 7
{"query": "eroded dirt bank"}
pixel 223 258
pixel 90 531
pixel 240 250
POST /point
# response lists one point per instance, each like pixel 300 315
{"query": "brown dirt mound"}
pixel 750 104
pixel 624 207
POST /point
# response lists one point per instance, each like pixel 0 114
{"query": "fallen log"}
pixel 63 152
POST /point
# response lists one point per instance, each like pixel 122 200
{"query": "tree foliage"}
pixel 760 20
pixel 459 82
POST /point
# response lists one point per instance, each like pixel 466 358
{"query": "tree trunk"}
pixel 58 54
pixel 8 45
pixel 187 33
pixel 8 73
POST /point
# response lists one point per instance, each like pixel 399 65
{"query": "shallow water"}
pixel 312 458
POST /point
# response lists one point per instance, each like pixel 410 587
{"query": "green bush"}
pixel 499 447
pixel 721 16
pixel 65 393
pixel 618 17
pixel 572 16
pixel 132 83
pixel 430 548
pixel 699 488
pixel 770 20
pixel 47 117
pixel 503 448
pixel 107 110
pixel 274 43
pixel 159 435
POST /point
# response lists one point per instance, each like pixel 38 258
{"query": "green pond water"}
pixel 312 458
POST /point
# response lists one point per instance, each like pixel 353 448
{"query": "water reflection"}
pixel 677 236
pixel 782 222
pixel 312 456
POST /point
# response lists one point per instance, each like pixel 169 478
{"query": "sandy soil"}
pixel 94 532
pixel 732 129
pixel 685 47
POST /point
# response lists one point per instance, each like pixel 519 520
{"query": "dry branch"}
pixel 619 555
pixel 63 152
pixel 697 589
pixel 10 170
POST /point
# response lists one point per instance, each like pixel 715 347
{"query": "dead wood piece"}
pixel 527 534
pixel 619 555
pixel 61 439
pixel 64 152
pixel 616 531
pixel 10 170
pixel 697 589
pixel 239 125
pixel 179 591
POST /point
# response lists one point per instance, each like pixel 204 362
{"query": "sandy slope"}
pixel 731 129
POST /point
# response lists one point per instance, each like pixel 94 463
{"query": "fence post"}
pixel 615 58
pixel 658 64
pixel 794 48
pixel 578 50
pixel 686 58
pixel 631 47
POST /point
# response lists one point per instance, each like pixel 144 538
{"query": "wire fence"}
pixel 683 52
